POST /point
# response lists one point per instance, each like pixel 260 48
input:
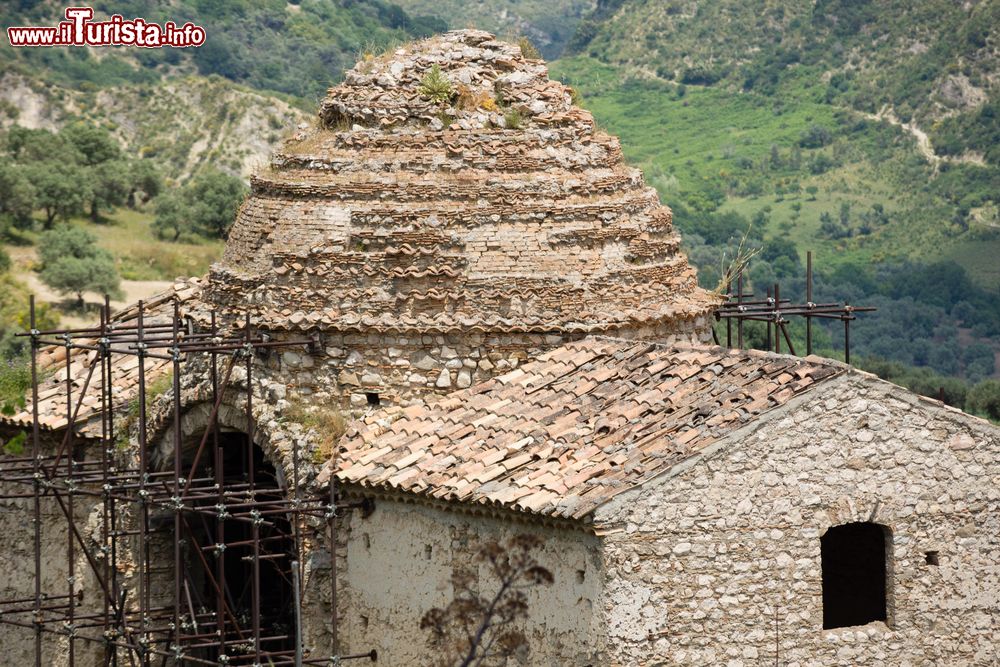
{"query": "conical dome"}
pixel 450 185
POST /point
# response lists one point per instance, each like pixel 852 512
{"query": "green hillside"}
pixel 296 48
pixel 933 62
pixel 866 131
pixel 549 24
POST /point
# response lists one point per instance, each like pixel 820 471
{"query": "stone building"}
pixel 504 306
pixel 699 506
pixel 431 242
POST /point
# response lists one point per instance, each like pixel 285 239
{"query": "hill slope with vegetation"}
pixel 549 24
pixel 864 131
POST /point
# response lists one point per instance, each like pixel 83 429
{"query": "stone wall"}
pixel 402 369
pixel 720 561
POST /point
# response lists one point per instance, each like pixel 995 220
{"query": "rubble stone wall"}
pixel 402 369
pixel 720 560
pixel 17 565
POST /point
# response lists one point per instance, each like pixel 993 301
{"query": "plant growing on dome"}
pixel 512 119
pixel 435 86
pixel 528 50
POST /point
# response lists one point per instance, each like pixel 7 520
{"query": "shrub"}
pixel 816 136
pixel 984 399
pixel 528 50
pixel 435 86
pixel 206 206
pixel 328 424
pixel 512 119
pixel 73 264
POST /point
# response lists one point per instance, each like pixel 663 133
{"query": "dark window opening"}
pixel 854 575
pixel 932 558
pixel 372 397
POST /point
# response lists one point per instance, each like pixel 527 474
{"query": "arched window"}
pixel 855 567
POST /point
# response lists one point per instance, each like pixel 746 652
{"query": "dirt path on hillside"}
pixel 924 144
pixel 24 258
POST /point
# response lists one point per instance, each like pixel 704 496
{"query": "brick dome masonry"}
pixel 451 188
pixel 405 213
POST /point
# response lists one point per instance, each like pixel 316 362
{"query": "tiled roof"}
pixel 124 372
pixel 567 432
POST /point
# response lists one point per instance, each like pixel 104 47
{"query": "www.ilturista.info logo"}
pixel 79 30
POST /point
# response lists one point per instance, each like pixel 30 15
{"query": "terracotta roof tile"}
pixel 124 372
pixel 584 422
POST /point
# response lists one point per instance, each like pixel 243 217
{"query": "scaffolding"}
pixel 774 311
pixel 235 587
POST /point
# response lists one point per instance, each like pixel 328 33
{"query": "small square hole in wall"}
pixel 428 551
pixel 932 558
pixel 581 576
pixel 372 397
pixel 364 622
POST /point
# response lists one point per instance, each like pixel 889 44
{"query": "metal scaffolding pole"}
pixel 208 619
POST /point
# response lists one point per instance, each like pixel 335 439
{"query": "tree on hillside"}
pixel 144 178
pixel 206 206
pixel 109 186
pixel 27 145
pixel 984 399
pixel 95 144
pixel 172 216
pixel 105 168
pixel 61 188
pixel 217 196
pixel 17 195
pixel 816 136
pixel 73 264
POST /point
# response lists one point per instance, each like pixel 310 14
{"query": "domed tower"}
pixel 451 214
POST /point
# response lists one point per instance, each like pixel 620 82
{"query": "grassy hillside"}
pixel 915 237
pixel 933 62
pixel 549 24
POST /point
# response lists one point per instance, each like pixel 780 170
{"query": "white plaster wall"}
pixel 719 562
pixel 397 564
